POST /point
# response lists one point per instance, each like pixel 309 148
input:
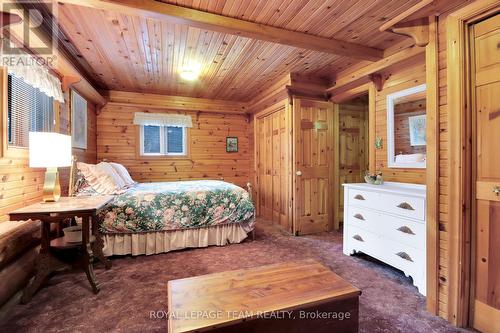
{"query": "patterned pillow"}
pixel 82 186
pixel 102 178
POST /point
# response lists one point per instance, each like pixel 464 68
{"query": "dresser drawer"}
pixel 363 218
pixel 406 206
pixel 362 198
pixel 364 241
pixel 410 260
pixel 409 232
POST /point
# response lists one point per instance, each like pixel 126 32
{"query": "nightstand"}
pixel 56 212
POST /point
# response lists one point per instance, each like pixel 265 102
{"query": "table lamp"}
pixel 50 150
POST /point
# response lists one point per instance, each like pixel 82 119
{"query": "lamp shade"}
pixel 49 150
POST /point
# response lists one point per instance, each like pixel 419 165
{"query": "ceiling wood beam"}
pixel 49 29
pixel 407 13
pixel 156 101
pixel 346 79
pixel 203 20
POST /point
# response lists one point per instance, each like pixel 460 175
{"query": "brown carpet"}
pixel 135 287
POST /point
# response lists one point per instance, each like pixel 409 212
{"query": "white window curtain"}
pixel 27 69
pixel 162 119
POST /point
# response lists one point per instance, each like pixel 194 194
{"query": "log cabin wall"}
pixel 118 140
pixel 21 185
pixel 396 79
pixel 444 294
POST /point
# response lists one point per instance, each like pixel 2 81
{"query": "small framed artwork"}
pixel 417 130
pixel 78 120
pixel 231 144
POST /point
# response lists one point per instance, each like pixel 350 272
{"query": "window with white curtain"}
pixel 163 140
pixel 28 110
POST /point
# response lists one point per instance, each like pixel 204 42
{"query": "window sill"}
pixel 166 157
pixel 15 152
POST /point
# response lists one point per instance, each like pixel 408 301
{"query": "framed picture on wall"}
pixel 417 125
pixel 78 120
pixel 231 144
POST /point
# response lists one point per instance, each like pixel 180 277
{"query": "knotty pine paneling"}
pixel 396 80
pixel 21 185
pixel 232 67
pixel 118 141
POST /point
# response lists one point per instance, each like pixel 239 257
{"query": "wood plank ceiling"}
pixel 131 53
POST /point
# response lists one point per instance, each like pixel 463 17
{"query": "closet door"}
pixel 486 316
pixel 274 165
pixel 312 166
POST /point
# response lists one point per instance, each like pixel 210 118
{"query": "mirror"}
pixel 406 128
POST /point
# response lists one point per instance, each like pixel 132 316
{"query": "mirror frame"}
pixel 390 128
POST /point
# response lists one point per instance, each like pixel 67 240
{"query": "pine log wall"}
pixel 118 140
pixel 21 185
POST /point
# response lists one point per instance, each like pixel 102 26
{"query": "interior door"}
pixel 486 64
pixel 352 149
pixel 312 166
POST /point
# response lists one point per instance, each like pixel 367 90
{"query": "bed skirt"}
pixel 164 241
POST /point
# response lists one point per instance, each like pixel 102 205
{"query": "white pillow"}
pixel 102 177
pixel 123 173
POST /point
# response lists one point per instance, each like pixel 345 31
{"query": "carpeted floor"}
pixel 135 287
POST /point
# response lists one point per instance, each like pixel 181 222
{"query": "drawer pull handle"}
pixel 359 217
pixel 405 205
pixel 359 197
pixel 404 255
pixel 358 238
pixel 406 230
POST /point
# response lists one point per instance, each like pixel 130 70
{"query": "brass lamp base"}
pixel 51 186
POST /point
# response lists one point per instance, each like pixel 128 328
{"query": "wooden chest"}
pixel 302 296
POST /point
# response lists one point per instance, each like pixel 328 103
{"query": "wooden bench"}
pixel 301 296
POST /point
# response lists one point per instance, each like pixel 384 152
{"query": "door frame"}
pixel 460 165
pixel 371 90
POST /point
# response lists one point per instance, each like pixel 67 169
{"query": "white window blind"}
pixel 29 110
pixel 163 140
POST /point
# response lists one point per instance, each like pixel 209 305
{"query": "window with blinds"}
pixel 29 110
pixel 163 140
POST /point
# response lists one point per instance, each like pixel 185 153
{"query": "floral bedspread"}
pixel 177 205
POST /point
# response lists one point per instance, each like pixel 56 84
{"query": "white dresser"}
pixel 387 222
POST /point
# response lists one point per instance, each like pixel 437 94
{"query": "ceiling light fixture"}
pixel 190 72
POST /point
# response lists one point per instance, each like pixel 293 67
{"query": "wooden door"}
pixel 312 166
pixel 351 150
pixel 486 67
pixel 273 166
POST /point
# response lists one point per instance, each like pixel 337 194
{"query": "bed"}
pixel 151 218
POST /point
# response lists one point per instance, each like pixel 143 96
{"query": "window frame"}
pixel 7 150
pixel 163 154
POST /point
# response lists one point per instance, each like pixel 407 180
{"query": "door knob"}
pixel 299 173
pixel 496 189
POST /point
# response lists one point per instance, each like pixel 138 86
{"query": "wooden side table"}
pixel 56 212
